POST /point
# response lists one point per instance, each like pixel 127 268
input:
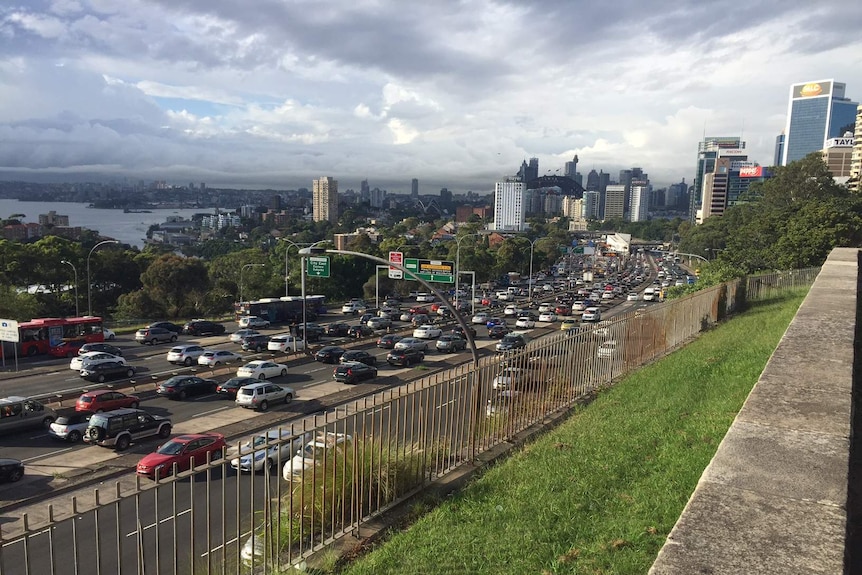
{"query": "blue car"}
pixel 495 321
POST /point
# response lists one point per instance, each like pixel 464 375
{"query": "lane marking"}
pixel 151 525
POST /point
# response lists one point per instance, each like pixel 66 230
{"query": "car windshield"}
pixel 98 420
pixel 246 391
pixel 171 448
pixel 259 440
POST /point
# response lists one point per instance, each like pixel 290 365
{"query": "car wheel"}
pixel 182 395
pixel 130 372
pixel 134 405
pixel 16 475
pixel 74 436
pixel 101 378
pixel 96 433
pixel 283 372
pixel 173 338
pixel 165 431
pixel 187 361
pixel 47 421
pixel 154 341
pixel 123 443
pixel 216 364
pixel 288 398
pixel 264 405
pixel 262 376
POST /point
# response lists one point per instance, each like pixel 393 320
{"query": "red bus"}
pixel 38 335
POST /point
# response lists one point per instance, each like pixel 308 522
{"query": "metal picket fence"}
pixel 332 473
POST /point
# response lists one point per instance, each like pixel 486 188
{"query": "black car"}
pixel 358 331
pixel 11 470
pixel 120 427
pixel 359 355
pixel 168 325
pixel 106 347
pixel 329 354
pixel 405 357
pixel 389 340
pixel 102 372
pixel 230 387
pixel 314 331
pixel 459 331
pixel 363 319
pixel 203 327
pixel 497 331
pixel 353 372
pixel 256 343
pixel 338 329
pixel 181 386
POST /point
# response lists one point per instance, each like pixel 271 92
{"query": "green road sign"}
pixel 578 250
pixel 318 266
pixel 431 270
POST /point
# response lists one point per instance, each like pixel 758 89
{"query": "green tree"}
pixel 177 285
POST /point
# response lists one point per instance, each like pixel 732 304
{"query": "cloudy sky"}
pixel 273 93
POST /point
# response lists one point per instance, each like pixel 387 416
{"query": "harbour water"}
pixel 128 228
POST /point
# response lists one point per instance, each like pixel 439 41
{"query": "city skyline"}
pixel 456 97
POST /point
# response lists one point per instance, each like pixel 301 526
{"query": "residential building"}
pixel 640 196
pixel 509 206
pixel 414 187
pixel 325 199
pixel 816 112
pixel 591 205
pixel 615 200
pixel 52 218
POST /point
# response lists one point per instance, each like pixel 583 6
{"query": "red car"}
pixel 66 349
pixel 105 400
pixel 181 450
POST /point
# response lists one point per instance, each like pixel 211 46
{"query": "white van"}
pixel 285 343
pixel 18 413
pixel 649 294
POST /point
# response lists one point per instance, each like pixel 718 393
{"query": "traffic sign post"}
pixel 396 258
pixel 431 270
pixel 317 266
pixel 9 330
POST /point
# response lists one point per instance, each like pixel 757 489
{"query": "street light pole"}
pixel 68 263
pixel 240 277
pixel 89 285
pixel 458 260
pixel 290 244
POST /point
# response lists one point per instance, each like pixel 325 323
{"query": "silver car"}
pixel 268 450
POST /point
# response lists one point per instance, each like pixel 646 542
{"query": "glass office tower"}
pixel 816 112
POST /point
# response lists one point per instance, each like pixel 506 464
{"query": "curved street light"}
pixel 458 262
pixel 290 244
pixel 68 263
pixel 240 276
pixel 89 285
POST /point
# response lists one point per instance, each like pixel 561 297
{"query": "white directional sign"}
pixel 396 258
pixel 9 330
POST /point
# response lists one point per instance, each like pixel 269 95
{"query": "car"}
pixel 256 343
pixel 389 340
pixel 359 355
pixel 17 413
pixel 459 331
pixel 607 349
pixel 608 295
pixel 182 386
pixel 314 331
pixel 101 346
pixel 525 322
pixel 11 470
pixel 329 354
pixel 419 320
pixel 511 341
pixel 412 343
pixel 359 331
pixel 313 453
pixel 285 343
pixel 230 387
pixel 240 334
pixel 450 343
pixel 185 354
pixel 70 427
pixel 405 357
pixel 99 400
pixel 578 306
pixel 353 307
pixel 265 451
pixel 632 297
pixel 480 318
pixel 108 334
pixel 92 358
pixel 425 297
pixel 154 335
pixel 498 331
pixel 509 378
pixel 203 327
pixel 337 329
pixel 168 325
pixel 568 324
pixel 512 310
pixel 353 372
pixel 563 310
pixel 262 369
pixel 67 349
pixel 591 314
pixel 545 307
pixel 376 323
pixel 181 453
pixel 501 404
pixel 495 321
pixel 120 427
pixel 548 317
pixel 363 319
pixel 217 357
pixel 260 395
pixel 427 332
pixel 253 322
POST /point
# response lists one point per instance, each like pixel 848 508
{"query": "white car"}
pixel 312 453
pixel 378 323
pixel 236 337
pixel 285 342
pixel 185 354
pixel 545 307
pixel 427 332
pixel 217 357
pixel 253 322
pixel 261 395
pixel 525 322
pixel 262 369
pixel 481 318
pixel 632 297
pixel 592 314
pixel 412 342
pixel 425 297
pixel 507 378
pixel 608 295
pixel 512 310
pixel 353 307
pixel 91 358
pixel 607 350
pixel 406 316
pixel 579 306
pixel 548 316
pixel 266 450
pixel 109 334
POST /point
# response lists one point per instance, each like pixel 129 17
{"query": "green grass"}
pixel 600 493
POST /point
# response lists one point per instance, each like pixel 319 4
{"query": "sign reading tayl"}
pixel 9 330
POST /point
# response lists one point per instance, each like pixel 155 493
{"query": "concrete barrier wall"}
pixel 774 497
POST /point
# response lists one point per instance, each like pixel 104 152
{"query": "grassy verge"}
pixel 600 493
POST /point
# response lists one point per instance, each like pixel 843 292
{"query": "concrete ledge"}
pixel 774 497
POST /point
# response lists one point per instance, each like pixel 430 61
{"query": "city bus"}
pixel 282 310
pixel 36 336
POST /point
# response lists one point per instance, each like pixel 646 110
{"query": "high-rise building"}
pixel 414 187
pixel 377 196
pixel 592 181
pixel 571 169
pixel 707 154
pixel 509 206
pixel 591 205
pixel 816 112
pixel 856 157
pixel 325 199
pixel 728 184
pixel 779 149
pixel 615 199
pixel 838 156
pixel 639 211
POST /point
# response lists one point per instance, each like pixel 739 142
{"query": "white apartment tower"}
pixel 640 202
pixel 509 206
pixel 325 199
